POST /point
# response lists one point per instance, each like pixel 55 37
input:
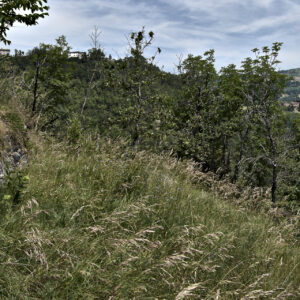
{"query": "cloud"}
pixel 231 27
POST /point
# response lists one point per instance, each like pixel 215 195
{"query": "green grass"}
pixel 95 222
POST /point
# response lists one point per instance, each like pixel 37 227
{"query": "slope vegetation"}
pixel 97 222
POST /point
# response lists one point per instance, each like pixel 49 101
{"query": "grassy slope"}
pixel 93 223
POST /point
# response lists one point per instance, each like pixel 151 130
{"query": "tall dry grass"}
pixel 97 222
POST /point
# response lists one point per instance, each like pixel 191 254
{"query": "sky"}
pixel 231 27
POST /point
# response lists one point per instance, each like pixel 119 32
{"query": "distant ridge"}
pixel 292 91
pixel 292 72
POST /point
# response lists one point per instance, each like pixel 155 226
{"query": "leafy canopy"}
pixel 22 11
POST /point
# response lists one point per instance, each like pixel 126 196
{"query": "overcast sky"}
pixel 231 27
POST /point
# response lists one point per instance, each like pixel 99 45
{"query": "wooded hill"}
pixel 231 123
pixel 292 91
pixel 141 184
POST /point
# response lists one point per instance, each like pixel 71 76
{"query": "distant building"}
pixel 4 52
pixel 76 54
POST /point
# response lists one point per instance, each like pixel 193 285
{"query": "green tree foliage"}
pixel 94 68
pixel 233 122
pixel 230 122
pixel 48 78
pixel 263 86
pixel 136 81
pixel 231 116
pixel 198 110
pixel 23 11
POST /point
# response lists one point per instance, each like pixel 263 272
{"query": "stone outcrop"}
pixel 12 149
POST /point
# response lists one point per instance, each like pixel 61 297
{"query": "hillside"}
pixel 229 122
pixel 95 221
pixel 141 184
pixel 292 91
pixel 293 72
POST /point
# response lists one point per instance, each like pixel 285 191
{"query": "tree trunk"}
pixel 49 123
pixel 228 160
pixel 136 135
pixel 35 88
pixel 274 182
pixel 238 162
pixel 223 160
pixel 86 96
pixel 274 160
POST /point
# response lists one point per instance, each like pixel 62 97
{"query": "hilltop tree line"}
pixel 231 122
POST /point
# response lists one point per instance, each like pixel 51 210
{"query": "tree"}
pixel 23 11
pixel 136 83
pixel 94 66
pixel 230 115
pixel 197 111
pixel 49 79
pixel 263 86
